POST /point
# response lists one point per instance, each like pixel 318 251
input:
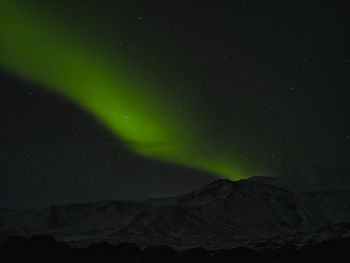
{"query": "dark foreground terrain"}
pixel 47 249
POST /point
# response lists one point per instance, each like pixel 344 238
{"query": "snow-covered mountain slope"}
pixel 220 215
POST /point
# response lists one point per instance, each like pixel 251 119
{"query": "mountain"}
pixel 305 205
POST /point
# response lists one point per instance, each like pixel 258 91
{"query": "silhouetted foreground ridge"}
pixel 46 249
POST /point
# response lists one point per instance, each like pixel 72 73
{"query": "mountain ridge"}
pixel 223 213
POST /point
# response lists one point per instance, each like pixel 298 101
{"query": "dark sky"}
pixel 271 78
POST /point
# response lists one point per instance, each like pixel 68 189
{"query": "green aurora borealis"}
pixel 138 111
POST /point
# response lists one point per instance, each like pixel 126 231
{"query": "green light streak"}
pixel 146 120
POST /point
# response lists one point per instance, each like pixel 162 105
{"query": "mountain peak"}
pixel 214 190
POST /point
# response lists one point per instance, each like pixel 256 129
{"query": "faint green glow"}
pixel 147 121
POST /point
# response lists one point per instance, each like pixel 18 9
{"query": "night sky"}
pixel 139 99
